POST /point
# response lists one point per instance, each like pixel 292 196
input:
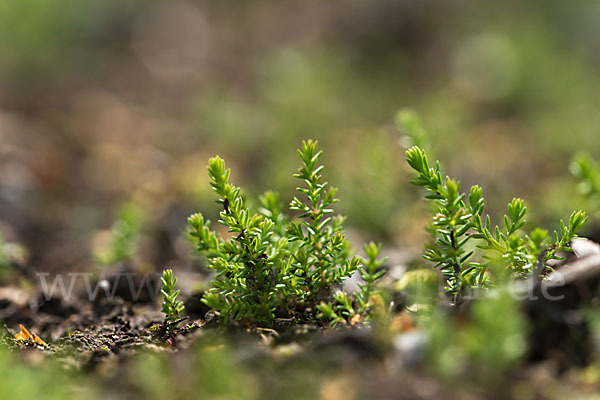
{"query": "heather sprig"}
pixel 530 252
pixel 459 219
pixel 451 223
pixel 370 272
pixel 171 306
pixel 356 307
pixel 323 257
pixel 248 282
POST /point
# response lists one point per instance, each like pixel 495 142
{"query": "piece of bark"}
pixel 558 330
pixel 573 284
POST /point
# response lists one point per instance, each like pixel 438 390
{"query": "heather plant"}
pixel 271 264
pixel 458 224
pixel 171 306
pixel 353 308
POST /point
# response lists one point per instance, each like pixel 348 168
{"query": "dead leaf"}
pixel 25 335
pixel 356 318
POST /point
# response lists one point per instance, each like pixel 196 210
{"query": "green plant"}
pixel 323 256
pixel 271 263
pixel 123 238
pixel 458 221
pixel 171 307
pixel 353 308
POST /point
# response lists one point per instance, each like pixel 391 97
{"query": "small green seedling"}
pixel 171 307
pixel 458 220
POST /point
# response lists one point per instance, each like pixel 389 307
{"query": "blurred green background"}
pixel 105 102
pixel 110 109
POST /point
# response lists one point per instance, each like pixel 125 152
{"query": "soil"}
pixel 106 334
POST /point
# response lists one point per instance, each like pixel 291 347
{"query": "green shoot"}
pixel 356 307
pixel 458 220
pixel 171 307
